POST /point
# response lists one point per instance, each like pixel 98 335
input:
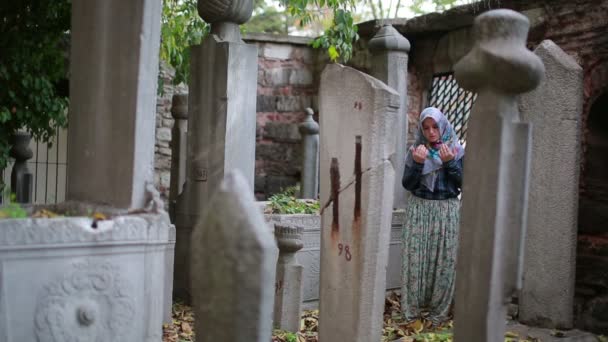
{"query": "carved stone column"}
pixel 309 130
pixel 288 285
pixel 179 111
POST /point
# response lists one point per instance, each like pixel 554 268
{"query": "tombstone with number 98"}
pixel 358 116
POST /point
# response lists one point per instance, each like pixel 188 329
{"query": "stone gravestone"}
pixel 234 257
pixel 389 64
pixel 309 130
pixel 179 140
pixel 554 108
pixel 221 119
pixel 112 96
pixel 492 226
pixel 358 121
pixel 288 285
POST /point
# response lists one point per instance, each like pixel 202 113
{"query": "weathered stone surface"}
pixel 234 259
pixel 554 109
pixel 288 284
pixel 163 133
pixel 493 215
pixel 233 11
pixel 222 124
pixel 451 48
pixel 107 279
pixel 389 64
pixel 114 95
pixel 310 156
pixel 356 203
pixel 179 143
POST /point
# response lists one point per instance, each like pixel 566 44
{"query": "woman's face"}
pixel 430 130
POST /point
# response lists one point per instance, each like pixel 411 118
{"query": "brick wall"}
pixel 287 84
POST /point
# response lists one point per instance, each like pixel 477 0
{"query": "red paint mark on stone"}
pixel 334 177
pixel 358 177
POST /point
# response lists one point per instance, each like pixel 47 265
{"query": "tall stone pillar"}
pixel 221 119
pixel 288 284
pixel 389 64
pixel 499 67
pixel 309 130
pixel 114 70
pixel 179 139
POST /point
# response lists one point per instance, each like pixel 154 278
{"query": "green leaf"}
pixel 333 53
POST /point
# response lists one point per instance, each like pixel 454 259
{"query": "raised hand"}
pixel 420 153
pixel 445 153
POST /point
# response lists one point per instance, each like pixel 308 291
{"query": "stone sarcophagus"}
pixel 80 279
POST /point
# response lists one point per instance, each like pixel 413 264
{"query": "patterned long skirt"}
pixel 430 242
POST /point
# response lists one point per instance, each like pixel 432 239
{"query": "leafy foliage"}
pixel 338 39
pixel 340 36
pixel 12 209
pixel 267 18
pixel 284 336
pixel 181 28
pixel 286 202
pixel 33 85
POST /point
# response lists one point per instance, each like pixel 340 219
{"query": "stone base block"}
pixel 80 279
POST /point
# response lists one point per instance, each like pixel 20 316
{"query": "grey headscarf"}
pixel 433 161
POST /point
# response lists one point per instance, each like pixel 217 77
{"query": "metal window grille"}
pixel 49 170
pixel 452 100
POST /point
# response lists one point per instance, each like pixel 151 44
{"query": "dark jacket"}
pixel 448 183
